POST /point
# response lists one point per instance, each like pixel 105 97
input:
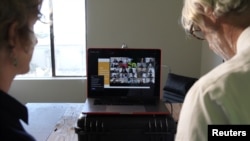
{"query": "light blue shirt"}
pixel 220 97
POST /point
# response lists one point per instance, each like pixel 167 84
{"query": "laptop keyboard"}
pixel 122 102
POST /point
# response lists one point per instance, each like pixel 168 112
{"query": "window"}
pixel 61 47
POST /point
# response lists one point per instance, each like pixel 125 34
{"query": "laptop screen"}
pixel 131 73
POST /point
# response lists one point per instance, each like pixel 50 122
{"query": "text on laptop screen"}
pixel 123 72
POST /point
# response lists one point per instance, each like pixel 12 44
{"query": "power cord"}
pixel 171 107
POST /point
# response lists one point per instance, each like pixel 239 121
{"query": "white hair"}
pixel 192 10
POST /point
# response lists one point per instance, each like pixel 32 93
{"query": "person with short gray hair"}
pixel 222 95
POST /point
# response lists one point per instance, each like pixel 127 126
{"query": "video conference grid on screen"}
pixel 127 71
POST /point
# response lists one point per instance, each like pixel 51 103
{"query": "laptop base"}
pixel 158 108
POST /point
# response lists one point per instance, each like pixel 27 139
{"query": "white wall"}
pixel 209 59
pixel 139 24
pixel 49 90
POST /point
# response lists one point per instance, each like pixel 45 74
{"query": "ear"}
pixel 12 34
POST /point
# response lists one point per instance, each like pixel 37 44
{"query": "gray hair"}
pixel 192 12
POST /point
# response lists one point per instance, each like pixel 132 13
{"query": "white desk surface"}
pixel 53 121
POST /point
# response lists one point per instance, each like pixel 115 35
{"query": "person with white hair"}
pixel 220 97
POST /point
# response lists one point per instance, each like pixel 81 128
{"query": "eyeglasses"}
pixel 196 32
